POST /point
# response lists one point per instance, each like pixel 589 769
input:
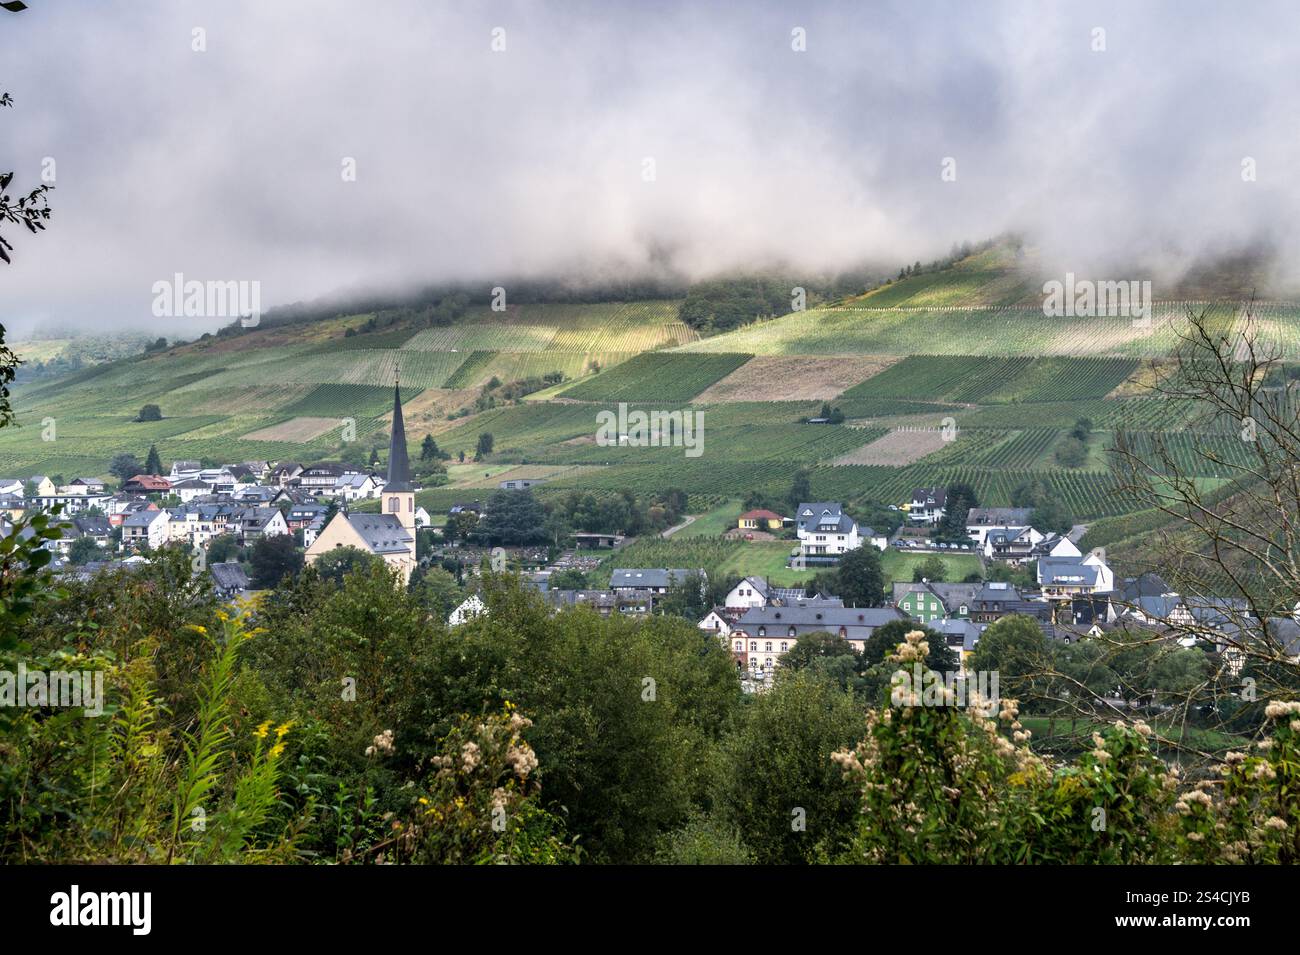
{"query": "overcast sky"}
pixel 471 163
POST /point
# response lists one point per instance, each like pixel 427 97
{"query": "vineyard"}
pixel 991 448
pixel 998 331
pixel 656 376
pixel 1085 494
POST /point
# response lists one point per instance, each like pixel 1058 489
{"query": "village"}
pixel 1038 574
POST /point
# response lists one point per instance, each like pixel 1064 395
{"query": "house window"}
pixel 791 632
pixel 753 646
pixel 784 646
pixel 767 647
pixel 394 505
pixel 762 631
pixel 740 646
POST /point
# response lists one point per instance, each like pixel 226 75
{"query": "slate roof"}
pixel 229 575
pixel 923 496
pixel 998 516
pixel 1067 571
pixel 858 623
pixel 399 468
pixel 142 518
pixel 639 577
pixel 813 513
pixel 383 533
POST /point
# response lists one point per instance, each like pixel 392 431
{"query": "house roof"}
pixel 151 481
pixel 758 584
pixel 1147 585
pixel 229 575
pixel 143 518
pixel 637 577
pixel 258 516
pixel 92 524
pixel 998 516
pixel 922 496
pixel 760 514
pixel 858 622
pixel 1067 570
pixel 815 509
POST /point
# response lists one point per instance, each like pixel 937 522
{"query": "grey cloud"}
pixel 226 164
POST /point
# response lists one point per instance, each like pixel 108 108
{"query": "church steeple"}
pixel 399 467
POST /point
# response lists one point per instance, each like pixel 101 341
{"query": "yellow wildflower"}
pixel 260 732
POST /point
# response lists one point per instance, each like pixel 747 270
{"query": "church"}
pixel 389 534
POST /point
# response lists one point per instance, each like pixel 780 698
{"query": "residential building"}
pixel 145 527
pixel 229 579
pixel 825 532
pixel 750 592
pixel 258 522
pixel 716 623
pixel 980 521
pixel 1062 578
pixel 760 520
pixel 927 505
pixel 358 487
pixel 651 580
pixel 322 478
pixel 147 484
pixel 763 634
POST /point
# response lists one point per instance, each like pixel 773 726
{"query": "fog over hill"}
pixel 615 142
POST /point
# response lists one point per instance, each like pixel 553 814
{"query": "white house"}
pixel 928 505
pixel 468 610
pixel 716 624
pixel 358 487
pixel 80 486
pixel 1064 577
pixel 146 527
pixel 258 522
pixel 825 531
pixel 750 592
pixel 981 521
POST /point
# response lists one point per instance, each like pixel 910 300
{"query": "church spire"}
pixel 399 468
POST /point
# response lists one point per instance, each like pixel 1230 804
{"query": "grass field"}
pixel 898 566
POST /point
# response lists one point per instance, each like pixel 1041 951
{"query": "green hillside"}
pixel 960 351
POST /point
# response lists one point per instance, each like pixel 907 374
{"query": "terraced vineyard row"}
pixel 657 376
pixel 805 444
pixel 1085 494
pixel 1142 414
pixel 1203 455
pixel 973 379
pixel 988 447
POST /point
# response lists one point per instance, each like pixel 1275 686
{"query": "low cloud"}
pixel 1110 151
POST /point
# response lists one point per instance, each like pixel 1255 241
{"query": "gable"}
pixel 339 532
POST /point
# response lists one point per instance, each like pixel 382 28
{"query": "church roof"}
pixel 399 467
pixel 383 533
